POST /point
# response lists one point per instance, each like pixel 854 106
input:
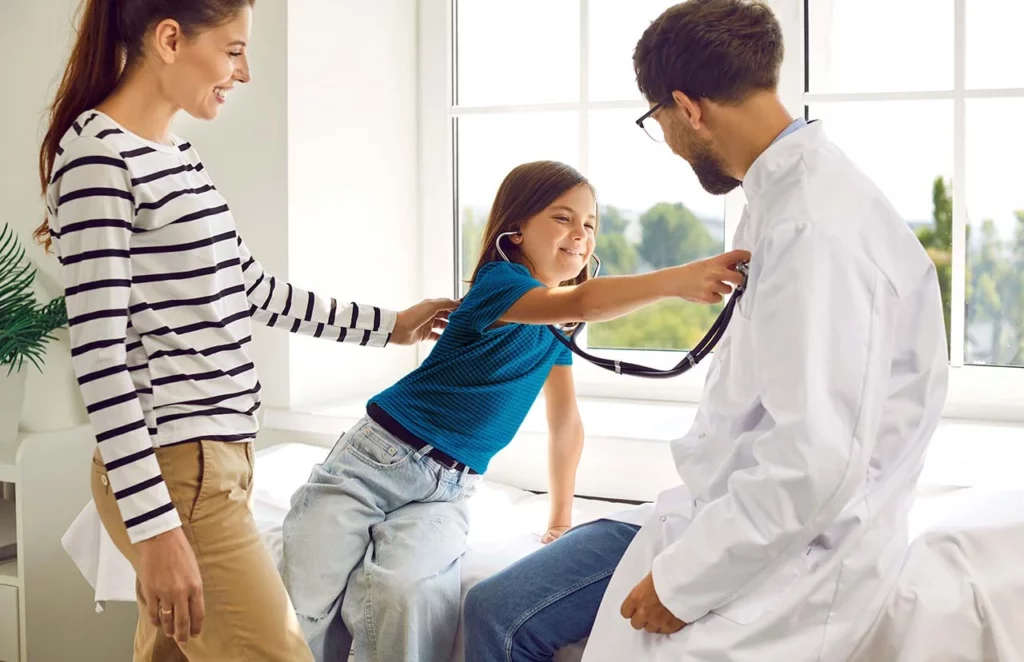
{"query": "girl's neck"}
pixel 139 105
pixel 548 282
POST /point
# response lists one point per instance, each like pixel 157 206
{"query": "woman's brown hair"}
pixel 527 191
pixel 110 39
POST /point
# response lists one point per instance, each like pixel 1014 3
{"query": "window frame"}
pixel 975 392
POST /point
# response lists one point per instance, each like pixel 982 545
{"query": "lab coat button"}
pixel 701 435
pixel 664 519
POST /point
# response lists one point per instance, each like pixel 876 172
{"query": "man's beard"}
pixel 711 175
pixel 708 167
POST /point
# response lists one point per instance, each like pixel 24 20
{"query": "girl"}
pixel 160 290
pixel 377 532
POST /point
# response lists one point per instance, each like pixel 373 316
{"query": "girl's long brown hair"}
pixel 527 191
pixel 110 38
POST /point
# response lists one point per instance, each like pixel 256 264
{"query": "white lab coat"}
pixel 801 465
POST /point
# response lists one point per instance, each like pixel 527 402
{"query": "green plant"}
pixel 25 326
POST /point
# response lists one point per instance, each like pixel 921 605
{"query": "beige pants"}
pixel 248 614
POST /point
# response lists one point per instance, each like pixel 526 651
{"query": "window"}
pixel 931 111
pixel 928 106
pixel 563 88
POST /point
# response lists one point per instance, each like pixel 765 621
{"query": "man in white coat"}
pixel 790 526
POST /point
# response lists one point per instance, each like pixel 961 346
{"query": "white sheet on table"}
pixel 962 585
pixel 506 523
pixel 99 561
pixel 960 595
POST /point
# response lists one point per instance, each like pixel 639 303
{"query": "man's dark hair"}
pixel 721 50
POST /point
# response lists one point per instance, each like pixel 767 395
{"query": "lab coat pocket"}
pixel 719 354
pixel 767 596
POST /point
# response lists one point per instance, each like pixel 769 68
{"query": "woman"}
pixel 160 291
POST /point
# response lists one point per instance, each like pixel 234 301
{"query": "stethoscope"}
pixel 692 358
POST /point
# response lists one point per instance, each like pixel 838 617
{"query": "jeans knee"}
pixel 473 604
pixel 482 610
pixel 310 599
pixel 313 607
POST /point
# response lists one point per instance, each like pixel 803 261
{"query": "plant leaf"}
pixel 25 327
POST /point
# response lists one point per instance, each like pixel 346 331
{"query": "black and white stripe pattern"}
pixel 161 292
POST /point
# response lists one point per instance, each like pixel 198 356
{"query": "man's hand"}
pixel 644 610
pixel 424 321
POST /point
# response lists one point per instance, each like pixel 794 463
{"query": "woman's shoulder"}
pixel 88 143
pixel 95 130
pixel 87 136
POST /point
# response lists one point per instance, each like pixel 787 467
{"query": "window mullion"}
pixel 958 250
pixel 735 201
pixel 584 85
pixel 584 116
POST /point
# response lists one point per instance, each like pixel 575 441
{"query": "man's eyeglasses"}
pixel 650 125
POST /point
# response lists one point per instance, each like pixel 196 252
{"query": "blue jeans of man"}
pixel 547 600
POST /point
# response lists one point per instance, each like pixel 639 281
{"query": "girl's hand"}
pixel 553 533
pixel 709 280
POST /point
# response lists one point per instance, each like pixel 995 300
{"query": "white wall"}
pixel 317 157
pixel 352 181
pixel 34 41
pixel 246 150
pixel 246 153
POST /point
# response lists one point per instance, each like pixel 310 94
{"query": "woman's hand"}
pixel 172 588
pixel 709 280
pixel 424 321
pixel 554 533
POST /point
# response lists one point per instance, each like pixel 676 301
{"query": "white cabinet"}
pixel 9 624
pixel 44 589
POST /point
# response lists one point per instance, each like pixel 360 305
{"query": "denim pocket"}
pixel 340 447
pixel 467 485
pixel 377 448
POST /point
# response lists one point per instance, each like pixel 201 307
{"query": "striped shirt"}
pixel 160 293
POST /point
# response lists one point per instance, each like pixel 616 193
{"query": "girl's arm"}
pixel 565 445
pixel 600 299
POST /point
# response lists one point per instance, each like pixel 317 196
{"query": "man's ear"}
pixel 688 109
